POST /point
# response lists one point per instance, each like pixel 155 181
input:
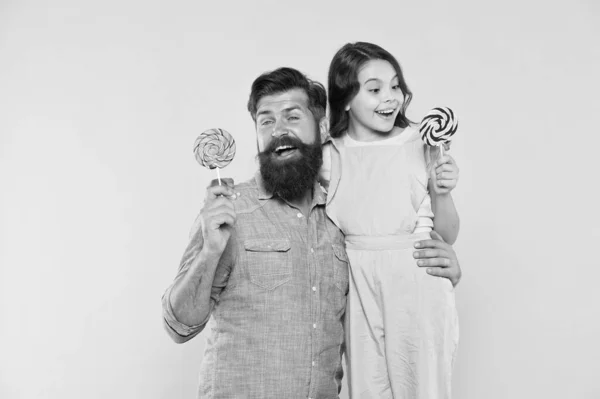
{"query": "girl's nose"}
pixel 388 97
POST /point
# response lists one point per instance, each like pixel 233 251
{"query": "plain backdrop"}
pixel 100 104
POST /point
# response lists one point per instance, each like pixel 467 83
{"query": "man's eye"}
pixel 293 118
pixel 266 122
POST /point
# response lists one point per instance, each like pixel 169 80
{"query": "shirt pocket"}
pixel 269 262
pixel 340 267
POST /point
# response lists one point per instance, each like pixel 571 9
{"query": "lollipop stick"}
pixel 219 176
pixel 442 150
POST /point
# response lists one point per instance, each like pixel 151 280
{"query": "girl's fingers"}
pixel 444 159
pixel 447 183
pixel 447 167
pixel 446 176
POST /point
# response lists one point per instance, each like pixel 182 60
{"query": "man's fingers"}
pixel 436 236
pixel 214 191
pixel 436 241
pixel 445 273
pixel 217 220
pixel 215 203
pixel 224 208
pixel 225 181
pixel 427 244
pixel 221 219
pixel 220 202
pixel 430 253
pixel 434 262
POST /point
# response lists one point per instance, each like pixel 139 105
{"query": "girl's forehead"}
pixel 376 69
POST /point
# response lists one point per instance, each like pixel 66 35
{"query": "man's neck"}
pixel 304 203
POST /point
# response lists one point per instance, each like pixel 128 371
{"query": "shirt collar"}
pixel 333 141
pixel 263 194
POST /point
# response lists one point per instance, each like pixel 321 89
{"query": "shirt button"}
pixel 315 289
pixel 312 250
pixel 313 363
pixel 299 215
pixel 314 326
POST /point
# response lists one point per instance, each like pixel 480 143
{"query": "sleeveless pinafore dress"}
pixel 401 323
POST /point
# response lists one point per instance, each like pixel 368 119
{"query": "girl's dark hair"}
pixel 343 82
pixel 285 79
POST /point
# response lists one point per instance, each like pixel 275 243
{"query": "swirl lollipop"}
pixel 214 149
pixel 438 126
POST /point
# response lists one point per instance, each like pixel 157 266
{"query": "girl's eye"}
pixel 374 91
pixel 293 118
pixel 396 87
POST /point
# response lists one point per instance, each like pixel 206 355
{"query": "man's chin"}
pixel 292 172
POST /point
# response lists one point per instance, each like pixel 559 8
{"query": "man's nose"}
pixel 279 129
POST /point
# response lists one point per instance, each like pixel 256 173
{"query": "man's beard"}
pixel 290 179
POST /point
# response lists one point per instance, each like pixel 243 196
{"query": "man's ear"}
pixel 324 128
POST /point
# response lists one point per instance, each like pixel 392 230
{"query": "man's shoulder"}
pixel 246 196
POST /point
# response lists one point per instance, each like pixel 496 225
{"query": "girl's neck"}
pixel 362 133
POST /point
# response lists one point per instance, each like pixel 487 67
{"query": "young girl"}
pixel 385 187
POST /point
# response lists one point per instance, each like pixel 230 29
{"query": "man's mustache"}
pixel 283 141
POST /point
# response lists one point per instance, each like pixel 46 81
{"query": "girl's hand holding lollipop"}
pixel 437 129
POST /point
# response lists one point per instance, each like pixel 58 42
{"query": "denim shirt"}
pixel 278 301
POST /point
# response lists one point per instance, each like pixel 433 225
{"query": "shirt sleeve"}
pixel 181 332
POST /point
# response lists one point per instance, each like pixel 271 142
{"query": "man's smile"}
pixel 285 151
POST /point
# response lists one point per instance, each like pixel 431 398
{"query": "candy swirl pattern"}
pixel 214 148
pixel 438 126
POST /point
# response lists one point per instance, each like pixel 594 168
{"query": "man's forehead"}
pixel 286 99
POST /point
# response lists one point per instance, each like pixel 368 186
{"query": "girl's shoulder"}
pixel 408 136
pixel 411 133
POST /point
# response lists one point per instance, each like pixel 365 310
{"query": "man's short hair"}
pixel 286 79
